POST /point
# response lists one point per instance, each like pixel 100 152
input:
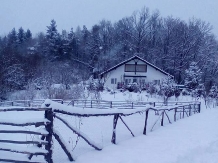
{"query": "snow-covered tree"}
pixel 52 37
pixel 21 36
pixel 152 89
pixel 199 91
pixel 167 88
pixel 192 76
pixel 28 34
pixel 213 93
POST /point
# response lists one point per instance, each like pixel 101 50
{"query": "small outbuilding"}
pixel 133 70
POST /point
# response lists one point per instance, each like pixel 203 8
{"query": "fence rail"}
pixel 47 122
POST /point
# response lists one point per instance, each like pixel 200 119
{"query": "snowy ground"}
pixel 190 140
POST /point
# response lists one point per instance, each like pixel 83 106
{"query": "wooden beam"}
pixel 79 133
pixel 167 117
pixel 17 161
pixel 24 142
pixel 23 152
pixel 156 121
pixel 146 122
pixel 23 109
pixel 175 114
pixel 113 140
pixel 37 124
pixel 162 119
pixel 22 132
pixel 48 138
pixel 63 146
pixel 126 126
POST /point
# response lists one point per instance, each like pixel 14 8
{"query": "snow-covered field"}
pixel 190 140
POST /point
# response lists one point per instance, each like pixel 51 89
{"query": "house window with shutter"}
pixel 127 81
pixel 113 80
pixel 156 82
pixel 141 68
pixel 135 68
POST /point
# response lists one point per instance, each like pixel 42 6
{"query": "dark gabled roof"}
pixel 132 58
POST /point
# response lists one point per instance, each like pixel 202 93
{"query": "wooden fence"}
pixel 123 109
pixel 47 121
pixel 29 103
pixel 103 104
pixel 121 104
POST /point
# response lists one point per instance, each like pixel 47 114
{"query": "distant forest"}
pixel 73 56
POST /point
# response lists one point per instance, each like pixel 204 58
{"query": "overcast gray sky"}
pixel 37 14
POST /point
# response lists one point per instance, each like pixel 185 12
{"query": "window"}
pixel 130 68
pixel 142 81
pixel 141 68
pixel 127 81
pixel 134 80
pixel 157 82
pixel 113 80
pixel 135 68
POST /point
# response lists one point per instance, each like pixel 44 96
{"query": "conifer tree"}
pixel 52 41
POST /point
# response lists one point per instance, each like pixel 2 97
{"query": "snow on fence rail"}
pixel 46 134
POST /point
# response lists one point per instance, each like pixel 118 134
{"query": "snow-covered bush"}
pixel 201 92
pixel 59 91
pixel 177 92
pixel 167 88
pixel 185 92
pixel 152 89
pixel 133 87
pixel 213 93
pixel 77 91
pixel 95 85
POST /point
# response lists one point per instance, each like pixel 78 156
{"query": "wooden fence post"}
pixel 132 105
pixel 146 121
pixel 113 140
pixel 175 114
pixel 111 104
pixel 194 108
pixel 183 111
pixel 162 120
pixel 190 110
pixel 91 103
pixel 199 107
pixel 49 128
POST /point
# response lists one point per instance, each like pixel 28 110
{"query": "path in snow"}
pixel 190 140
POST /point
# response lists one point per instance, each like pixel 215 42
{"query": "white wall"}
pixel 118 73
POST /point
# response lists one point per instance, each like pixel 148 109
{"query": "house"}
pixel 133 70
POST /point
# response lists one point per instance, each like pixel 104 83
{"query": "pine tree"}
pixel 52 41
pixel 21 37
pixel 28 34
pixel 12 40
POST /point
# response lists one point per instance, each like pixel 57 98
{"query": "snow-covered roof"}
pixel 139 58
